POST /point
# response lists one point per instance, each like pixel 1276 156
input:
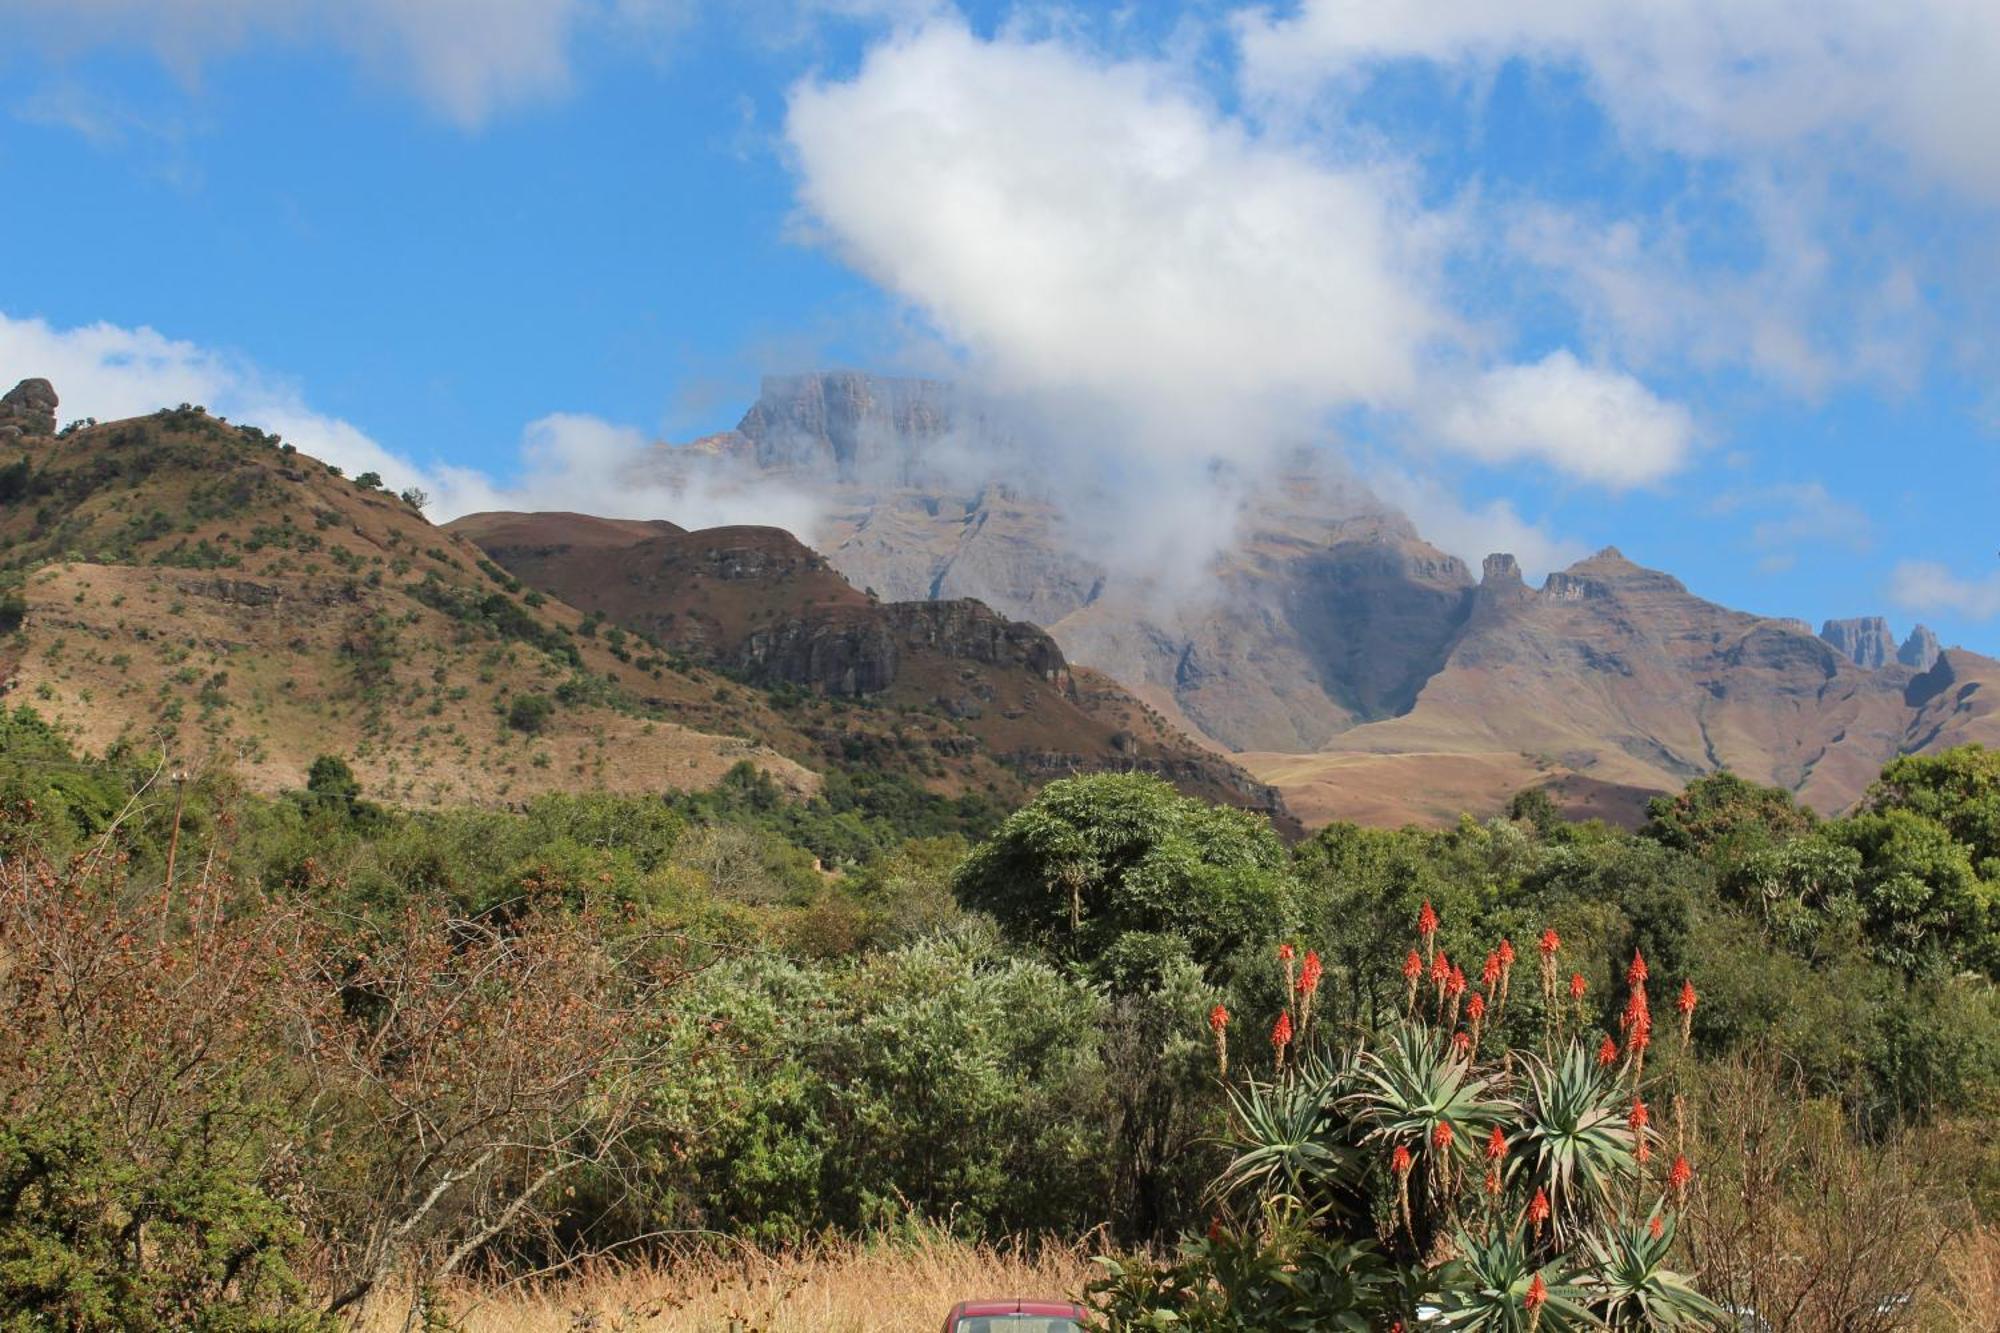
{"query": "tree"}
pixel 1726 818
pixel 1959 788
pixel 332 780
pixel 530 713
pixel 1094 861
pixel 369 481
pixel 415 497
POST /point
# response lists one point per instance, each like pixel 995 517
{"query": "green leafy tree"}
pixel 1095 860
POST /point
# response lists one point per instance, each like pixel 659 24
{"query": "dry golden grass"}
pixel 1971 1286
pixel 884 1287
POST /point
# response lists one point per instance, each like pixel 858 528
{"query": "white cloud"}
pixel 1473 532
pixel 1794 513
pixel 1923 585
pixel 468 59
pixel 1912 80
pixel 1588 422
pixel 564 461
pixel 1096 228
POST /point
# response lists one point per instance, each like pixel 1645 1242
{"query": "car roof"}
pixel 1052 1309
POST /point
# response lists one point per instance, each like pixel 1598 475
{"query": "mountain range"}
pixel 179 585
pixel 1338 655
pixel 183 584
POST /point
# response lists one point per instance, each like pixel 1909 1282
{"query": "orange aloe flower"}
pixel 1577 986
pixel 1607 1054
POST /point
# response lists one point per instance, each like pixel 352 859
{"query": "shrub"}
pixel 531 713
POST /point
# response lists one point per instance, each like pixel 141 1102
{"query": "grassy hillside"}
pixel 179 583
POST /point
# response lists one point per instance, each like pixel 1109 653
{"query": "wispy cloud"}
pixel 468 60
pixel 561 461
pixel 1923 585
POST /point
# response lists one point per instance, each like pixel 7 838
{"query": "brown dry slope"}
pixel 175 582
pixel 770 610
pixel 1615 679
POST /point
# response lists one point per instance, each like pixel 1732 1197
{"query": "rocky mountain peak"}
pixel 1921 650
pixel 846 423
pixel 29 408
pixel 1863 640
pixel 1500 570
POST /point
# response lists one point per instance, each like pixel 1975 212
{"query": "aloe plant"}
pixel 1491 1287
pixel 1290 1150
pixel 1631 1286
pixel 1577 1145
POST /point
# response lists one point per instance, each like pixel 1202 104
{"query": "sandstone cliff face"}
pixel 847 425
pixel 839 652
pixel 1863 640
pixel 1921 650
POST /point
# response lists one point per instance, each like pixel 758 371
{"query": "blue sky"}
pixel 1713 283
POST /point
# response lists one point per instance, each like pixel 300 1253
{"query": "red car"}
pixel 1014 1317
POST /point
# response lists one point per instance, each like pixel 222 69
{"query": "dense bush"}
pixel 881 1005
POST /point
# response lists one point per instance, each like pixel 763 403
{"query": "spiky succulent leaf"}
pixel 1631 1287
pixel 1575 1142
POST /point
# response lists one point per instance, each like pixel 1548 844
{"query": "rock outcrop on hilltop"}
pixel 1863 640
pixel 1921 650
pixel 28 409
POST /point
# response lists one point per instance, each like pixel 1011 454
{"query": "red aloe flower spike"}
pixel 1286 953
pixel 1413 972
pixel 1686 1003
pixel 1399 1160
pixel 1538 1210
pixel 1506 952
pixel 1549 944
pixel 1551 941
pixel 1427 924
pixel 1218 1019
pixel 1218 1023
pixel 1442 1135
pixel 1475 1008
pixel 1489 971
pixel 1538 1293
pixel 1640 1117
pixel 1454 984
pixel 1440 969
pixel 1635 975
pixel 1577 986
pixel 1678 1177
pixel 1496 1145
pixel 1281 1031
pixel 1461 1043
pixel 1309 975
pixel 1657 1227
pixel 1607 1054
